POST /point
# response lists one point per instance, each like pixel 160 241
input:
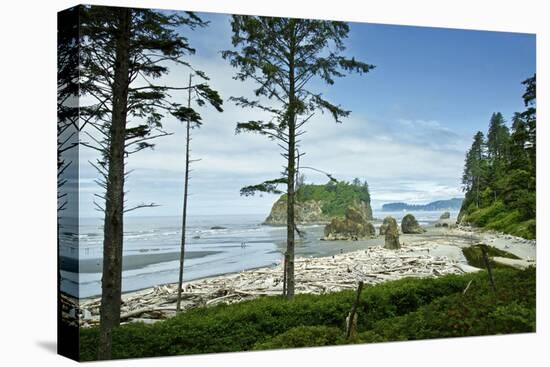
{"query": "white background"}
pixel 28 182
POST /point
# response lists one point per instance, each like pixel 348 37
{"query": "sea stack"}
pixel 353 227
pixel 410 225
pixel 319 204
pixel 391 234
pixel 384 226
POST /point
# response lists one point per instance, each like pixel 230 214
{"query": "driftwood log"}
pixel 313 276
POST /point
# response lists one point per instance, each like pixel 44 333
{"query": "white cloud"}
pixel 406 160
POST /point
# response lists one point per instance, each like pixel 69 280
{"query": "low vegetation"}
pixel 406 309
pixel 474 256
pixel 500 218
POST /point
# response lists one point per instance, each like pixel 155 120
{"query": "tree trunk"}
pixel 290 222
pixel 111 281
pixel 351 324
pixel 285 272
pixel 488 266
pixel 477 193
pixel 184 215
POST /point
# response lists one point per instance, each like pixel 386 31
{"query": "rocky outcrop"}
pixel 384 226
pixel 365 209
pixel 409 225
pixel 309 212
pixel 445 223
pixel 391 233
pixel 354 226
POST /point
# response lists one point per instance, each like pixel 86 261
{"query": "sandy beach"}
pixel 434 253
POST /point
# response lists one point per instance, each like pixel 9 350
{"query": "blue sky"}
pixel 411 123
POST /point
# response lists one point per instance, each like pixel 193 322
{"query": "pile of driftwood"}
pixel 313 275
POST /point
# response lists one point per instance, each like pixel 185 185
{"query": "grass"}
pixel 398 310
pixel 474 256
pixel 497 217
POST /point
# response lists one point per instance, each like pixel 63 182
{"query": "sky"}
pixel 412 120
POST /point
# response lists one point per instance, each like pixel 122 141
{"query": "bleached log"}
pixel 214 300
pixel 138 312
pixel 313 275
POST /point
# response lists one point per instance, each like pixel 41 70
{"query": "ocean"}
pixel 215 245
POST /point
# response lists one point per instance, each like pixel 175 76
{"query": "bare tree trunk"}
pixel 477 193
pixel 290 222
pixel 488 266
pixel 351 326
pixel 184 216
pixel 285 272
pixel 111 282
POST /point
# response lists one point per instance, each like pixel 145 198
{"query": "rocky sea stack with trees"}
pixel 321 203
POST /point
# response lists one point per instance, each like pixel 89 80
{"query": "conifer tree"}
pixel 123 52
pixel 529 116
pixel 498 147
pixel 67 155
pixel 282 56
pixel 474 168
pixel 503 181
pixel 519 158
pixel 196 93
pixel 497 138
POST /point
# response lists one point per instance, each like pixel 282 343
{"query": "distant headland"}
pixel 450 204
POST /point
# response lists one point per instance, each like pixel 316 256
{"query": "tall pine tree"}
pixel 519 157
pixel 498 153
pixel 282 56
pixel 497 138
pixel 123 52
pixel 475 170
pixel 529 116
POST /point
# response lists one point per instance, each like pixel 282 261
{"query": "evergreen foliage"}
pixel 284 57
pixel 500 173
pixel 335 197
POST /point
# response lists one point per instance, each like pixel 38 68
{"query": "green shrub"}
pixel 474 256
pixel 398 310
pixel 501 218
pixel 304 336
pixel 478 312
pixel 513 225
pixel 481 217
pixel 513 317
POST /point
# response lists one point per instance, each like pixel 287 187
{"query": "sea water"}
pixel 214 245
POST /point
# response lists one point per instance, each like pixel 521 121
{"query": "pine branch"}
pixel 269 186
pixel 140 206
